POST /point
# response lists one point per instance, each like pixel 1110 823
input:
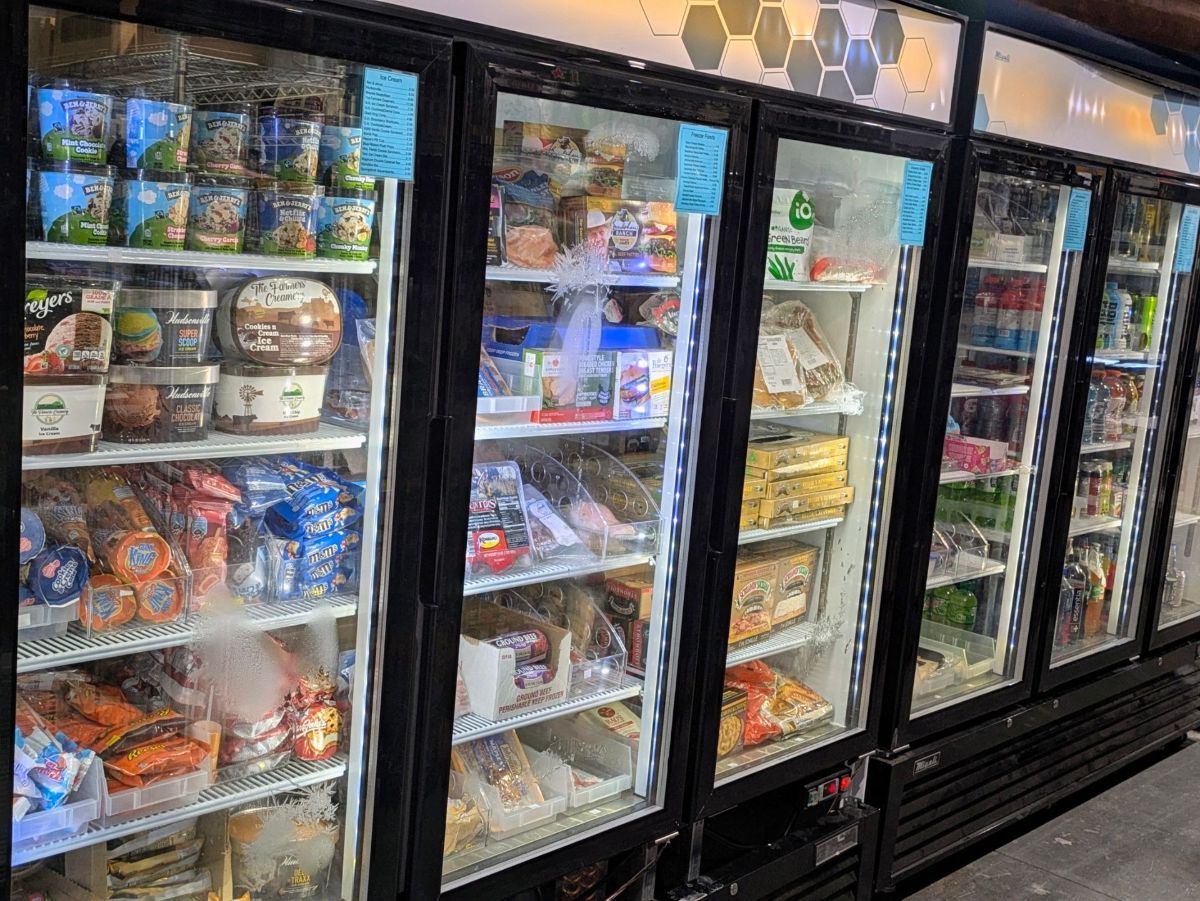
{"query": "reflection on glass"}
pixel 1018 282
pixel 830 338
pixel 1096 607
pixel 593 300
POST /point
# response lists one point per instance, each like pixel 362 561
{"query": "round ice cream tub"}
pixel 287 219
pixel 341 148
pixel 217 214
pixel 61 413
pixel 163 326
pixel 297 868
pixel 275 400
pixel 221 140
pixel 75 201
pixel 158 403
pixel 73 125
pixel 157 134
pixel 154 207
pixel 345 219
pixel 290 145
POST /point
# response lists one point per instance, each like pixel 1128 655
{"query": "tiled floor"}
pixel 1138 841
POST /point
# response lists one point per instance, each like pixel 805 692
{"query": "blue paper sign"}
pixel 389 124
pixel 914 201
pixel 700 169
pixel 1185 249
pixel 1078 207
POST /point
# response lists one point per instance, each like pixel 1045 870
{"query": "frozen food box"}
pixel 638 644
pixel 636 236
pixel 489 670
pixel 753 488
pixel 805 484
pixel 643 384
pixel 817 465
pixel 629 596
pixel 557 150
pixel 508 337
pixel 746 523
pixel 753 590
pixel 575 387
pixel 773 451
pixel 797 519
pixel 795 569
pixel 751 508
pixel 803 503
pixel 733 722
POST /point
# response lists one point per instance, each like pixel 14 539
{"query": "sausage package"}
pixel 497 533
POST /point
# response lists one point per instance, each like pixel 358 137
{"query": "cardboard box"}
pixel 803 503
pixel 795 570
pixel 746 523
pixel 574 387
pixel 643 384
pixel 732 730
pixel 753 591
pixel 975 454
pixel 636 235
pixel 629 596
pixel 796 519
pixel 805 484
pixel 751 509
pixel 488 670
pixel 557 150
pixel 753 488
pixel 800 446
pixel 639 641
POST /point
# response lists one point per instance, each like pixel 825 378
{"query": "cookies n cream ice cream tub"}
pixel 279 400
pixel 217 214
pixel 155 208
pixel 73 125
pixel 344 222
pixel 287 219
pixel 158 403
pixel 62 413
pixel 75 201
pixel 280 321
pixel 157 134
pixel 67 326
pixel 221 140
pixel 290 144
pixel 164 326
pixel 341 149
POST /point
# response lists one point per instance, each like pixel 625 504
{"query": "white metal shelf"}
pixel 786 639
pixel 1005 265
pixel 843 287
pixel 221 796
pixel 994 568
pixel 750 536
pixel 548 277
pixel 818 408
pixel 217 444
pixel 1086 525
pixel 961 389
pixel 1133 267
pixel 1108 356
pixel 949 476
pixel 192 259
pixel 1100 447
pixel 473 726
pixel 485 432
pixel 76 646
pixel 1184 518
pixel 1004 352
pixel 550 571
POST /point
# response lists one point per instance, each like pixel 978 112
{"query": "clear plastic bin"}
pixel 43 621
pixel 67 819
pixel 565 745
pixel 503 823
pixel 978 651
pixel 177 791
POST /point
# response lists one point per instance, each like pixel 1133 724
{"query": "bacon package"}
pixel 497 534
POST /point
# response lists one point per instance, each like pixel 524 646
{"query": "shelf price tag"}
pixel 914 201
pixel 700 169
pixel 389 124
pixel 1185 248
pixel 1078 207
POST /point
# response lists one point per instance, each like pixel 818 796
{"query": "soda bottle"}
pixel 962 610
pixel 939 603
pixel 1010 314
pixel 1095 598
pixel 1114 418
pixel 987 301
pixel 1123 334
pixel 993 416
pixel 1070 624
pixel 1018 413
pixel 1146 321
pixel 1095 427
pixel 1174 580
pixel 1106 487
pixel 1106 328
pixel 1133 398
pixel 1031 318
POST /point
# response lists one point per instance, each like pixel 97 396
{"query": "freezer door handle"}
pixel 724 451
pixel 435 472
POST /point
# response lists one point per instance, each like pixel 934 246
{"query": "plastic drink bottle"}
pixel 1109 316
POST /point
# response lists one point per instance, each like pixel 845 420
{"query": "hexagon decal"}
pixel 1176 132
pixel 1158 113
pixel 981 113
pixel 804 67
pixel 777 80
pixel 772 37
pixel 741 61
pixel 739 16
pixel 835 87
pixel 915 65
pixel 861 67
pixel 1174 101
pixel 664 16
pixel 889 91
pixel 801 15
pixel 830 37
pixel 704 37
pixel 1191 154
pixel 859 16
pixel 887 37
pixel 1191 115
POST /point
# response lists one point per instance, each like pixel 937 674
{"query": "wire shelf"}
pixel 471 726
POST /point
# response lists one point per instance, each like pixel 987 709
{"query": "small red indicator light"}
pixel 845 783
pixel 831 788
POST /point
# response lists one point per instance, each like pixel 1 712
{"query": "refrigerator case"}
pixel 212 298
pixel 590 282
pixel 1021 279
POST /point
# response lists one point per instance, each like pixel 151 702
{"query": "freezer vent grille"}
pixel 836 881
pixel 959 802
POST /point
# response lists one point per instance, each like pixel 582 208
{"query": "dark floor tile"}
pixel 999 878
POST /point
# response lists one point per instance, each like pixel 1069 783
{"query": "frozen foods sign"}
pixel 870 52
pixel 1035 93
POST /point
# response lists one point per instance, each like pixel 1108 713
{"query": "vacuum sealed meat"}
pixel 497 534
pixel 814 356
pixel 550 534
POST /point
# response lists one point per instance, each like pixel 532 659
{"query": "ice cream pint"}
pixel 73 125
pixel 220 141
pixel 75 201
pixel 157 134
pixel 158 403
pixel 163 326
pixel 287 219
pixel 279 400
pixel 217 214
pixel 155 209
pixel 280 321
pixel 67 326
pixel 344 222
pixel 339 159
pixel 290 145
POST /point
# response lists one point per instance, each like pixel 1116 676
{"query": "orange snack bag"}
pixel 101 706
pixel 108 602
pixel 155 760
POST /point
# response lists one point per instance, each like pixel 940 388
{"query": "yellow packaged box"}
pixel 806 484
pixel 733 722
pixel 802 503
pixel 807 468
pixel 795 570
pixel 753 488
pixel 753 587
pixel 751 508
pixel 776 450
pixel 796 519
pixel 746 523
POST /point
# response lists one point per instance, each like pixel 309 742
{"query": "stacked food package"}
pixel 794 476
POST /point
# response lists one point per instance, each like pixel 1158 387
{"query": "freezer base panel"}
pixel 942 797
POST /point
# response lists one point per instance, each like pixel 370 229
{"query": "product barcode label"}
pixel 810 354
pixel 775 361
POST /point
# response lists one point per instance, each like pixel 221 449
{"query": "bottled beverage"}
pixel 1123 327
pixel 1091 473
pixel 940 603
pixel 968 415
pixel 1094 427
pixel 1031 318
pixel 1106 487
pixel 1095 597
pixel 1133 399
pixel 1114 418
pixel 1109 316
pixel 1018 413
pixel 960 609
pixel 1146 321
pixel 1010 315
pixel 1174 580
pixel 993 417
pixel 987 301
pixel 1070 625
